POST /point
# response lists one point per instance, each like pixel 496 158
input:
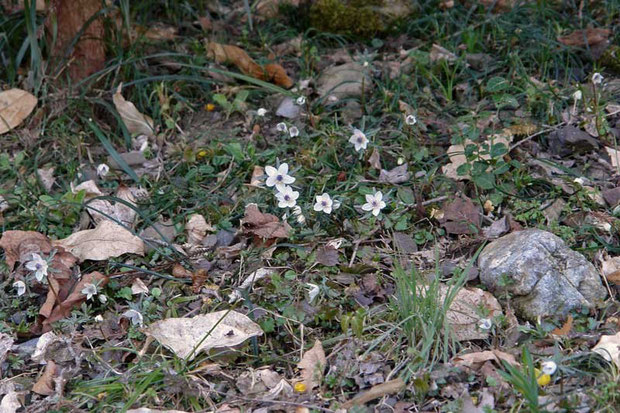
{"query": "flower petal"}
pixel 271 171
pixel 283 169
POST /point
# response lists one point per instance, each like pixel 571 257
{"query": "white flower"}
pixel 579 181
pixel 39 266
pixel 89 290
pixel 359 140
pixel 20 286
pixel 597 78
pixel 135 317
pixel 314 291
pixel 400 161
pixel 281 127
pixel 293 131
pixel 577 95
pixel 278 177
pixel 261 112
pixel 287 198
pixel 485 324
pixel 411 120
pixel 297 212
pixel 103 298
pixel 548 367
pixel 99 318
pixel 301 100
pixel 144 146
pixel 102 170
pixel 323 203
pixel 374 203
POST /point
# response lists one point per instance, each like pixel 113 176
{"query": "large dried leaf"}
pixel 136 122
pixel 312 365
pixel 477 359
pixel 105 241
pixel 262 225
pixel 15 106
pixel 461 216
pixel 102 209
pixel 186 337
pixel 6 343
pixel 587 37
pixel 328 256
pixel 67 19
pixel 74 299
pixel 19 245
pixel 45 385
pixel 463 316
pixel 396 175
pixel 609 348
pixel 225 53
pixel 456 153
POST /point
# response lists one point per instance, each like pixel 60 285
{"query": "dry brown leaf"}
pixel 197 228
pixel 102 209
pixel 609 348
pixel 379 390
pixel 438 53
pixel 203 332
pixel 224 53
pixel 257 173
pixel 396 175
pixel 158 32
pixel 461 216
pixel 312 365
pixel 590 37
pixel 15 106
pixel 463 314
pixel 69 300
pixel 19 245
pixel 327 255
pixel 565 329
pixel 67 19
pixel 270 8
pixel 46 175
pixel 375 159
pixel 265 226
pixel 45 385
pixel 614 277
pixel 138 287
pixel 6 343
pixel 149 410
pixel 105 241
pixel 136 122
pixel 477 359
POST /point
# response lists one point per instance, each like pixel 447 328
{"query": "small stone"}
pixel 569 140
pixel 612 196
pixel 543 275
pixel 288 109
pixel 343 81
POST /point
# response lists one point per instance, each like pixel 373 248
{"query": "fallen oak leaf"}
pixel 565 329
pixel 266 226
pixel 587 37
pixel 312 365
pixel 609 348
pixel 73 299
pixel 105 241
pixel 477 359
pixel 19 245
pixel 134 120
pixel 45 385
pixel 225 53
pixel 186 337
pixel 15 106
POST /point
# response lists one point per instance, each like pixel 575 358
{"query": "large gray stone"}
pixel 545 277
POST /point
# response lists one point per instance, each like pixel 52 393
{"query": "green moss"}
pixel 611 58
pixel 348 17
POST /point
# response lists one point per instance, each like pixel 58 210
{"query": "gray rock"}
pixel 343 81
pixel 288 109
pixel 545 277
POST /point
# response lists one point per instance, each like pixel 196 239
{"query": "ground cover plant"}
pixel 309 206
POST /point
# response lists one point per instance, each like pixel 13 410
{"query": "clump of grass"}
pixel 422 306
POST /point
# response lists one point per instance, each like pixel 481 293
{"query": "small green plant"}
pixel 237 105
pixel 523 380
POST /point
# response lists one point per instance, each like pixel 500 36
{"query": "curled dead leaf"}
pixel 15 106
pixel 136 122
pixel 586 37
pixel 225 53
pixel 265 226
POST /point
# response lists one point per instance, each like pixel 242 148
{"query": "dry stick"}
pixel 380 390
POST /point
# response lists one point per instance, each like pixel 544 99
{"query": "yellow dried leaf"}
pixel 15 106
pixel 135 121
